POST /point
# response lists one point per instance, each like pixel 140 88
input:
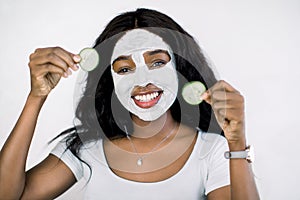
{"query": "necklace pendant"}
pixel 139 162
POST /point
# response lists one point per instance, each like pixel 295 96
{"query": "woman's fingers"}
pixel 223 85
pixel 228 106
pixel 231 114
pixel 47 66
pixel 70 59
pixel 50 68
pixel 42 65
pixel 224 99
pixel 56 56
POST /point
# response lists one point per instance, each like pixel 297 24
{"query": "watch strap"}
pixel 236 154
pixel 247 154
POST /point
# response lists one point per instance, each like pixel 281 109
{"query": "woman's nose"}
pixel 141 77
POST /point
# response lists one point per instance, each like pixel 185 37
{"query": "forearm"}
pixel 15 150
pixel 241 177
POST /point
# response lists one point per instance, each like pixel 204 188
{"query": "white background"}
pixel 254 45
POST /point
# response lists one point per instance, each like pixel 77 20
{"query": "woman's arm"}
pixel 14 152
pixel 228 107
pixel 47 66
pixel 48 179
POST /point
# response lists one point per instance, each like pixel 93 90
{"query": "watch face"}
pixel 227 155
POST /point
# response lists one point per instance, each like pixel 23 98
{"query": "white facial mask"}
pixel 135 43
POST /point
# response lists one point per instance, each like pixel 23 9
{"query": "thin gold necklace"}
pixel 140 159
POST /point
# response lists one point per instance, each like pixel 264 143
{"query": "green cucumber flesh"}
pixel 89 59
pixel 192 91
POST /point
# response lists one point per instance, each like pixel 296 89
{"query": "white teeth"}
pixel 146 97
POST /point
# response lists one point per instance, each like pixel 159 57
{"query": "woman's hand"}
pixel 47 66
pixel 228 106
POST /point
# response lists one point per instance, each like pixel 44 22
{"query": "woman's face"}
pixel 144 74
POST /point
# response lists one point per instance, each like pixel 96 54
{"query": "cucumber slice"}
pixel 191 92
pixel 89 59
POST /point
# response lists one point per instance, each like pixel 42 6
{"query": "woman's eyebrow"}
pixel 121 58
pixel 157 51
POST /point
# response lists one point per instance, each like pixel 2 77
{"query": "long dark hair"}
pixel 94 110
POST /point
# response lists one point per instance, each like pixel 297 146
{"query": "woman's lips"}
pixel 147 100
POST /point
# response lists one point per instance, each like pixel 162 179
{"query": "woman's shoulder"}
pixel 62 147
pixel 209 144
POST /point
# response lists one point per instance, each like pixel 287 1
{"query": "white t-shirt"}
pixel 205 170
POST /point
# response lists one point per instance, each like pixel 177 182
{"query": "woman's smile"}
pixel 147 100
pixel 146 97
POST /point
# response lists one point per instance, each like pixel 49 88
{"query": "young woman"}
pixel 135 138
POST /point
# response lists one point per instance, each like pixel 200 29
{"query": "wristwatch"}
pixel 248 154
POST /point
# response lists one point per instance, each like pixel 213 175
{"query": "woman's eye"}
pixel 158 63
pixel 124 70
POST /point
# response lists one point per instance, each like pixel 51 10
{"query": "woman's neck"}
pixel 153 130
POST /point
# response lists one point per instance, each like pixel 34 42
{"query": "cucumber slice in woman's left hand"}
pixel 192 91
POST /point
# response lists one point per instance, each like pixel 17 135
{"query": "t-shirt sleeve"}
pixel 64 154
pixel 218 166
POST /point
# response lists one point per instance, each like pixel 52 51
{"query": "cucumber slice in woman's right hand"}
pixel 192 91
pixel 89 59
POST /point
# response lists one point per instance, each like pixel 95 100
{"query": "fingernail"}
pixel 76 58
pixel 69 72
pixel 76 67
pixel 204 95
pixel 65 74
